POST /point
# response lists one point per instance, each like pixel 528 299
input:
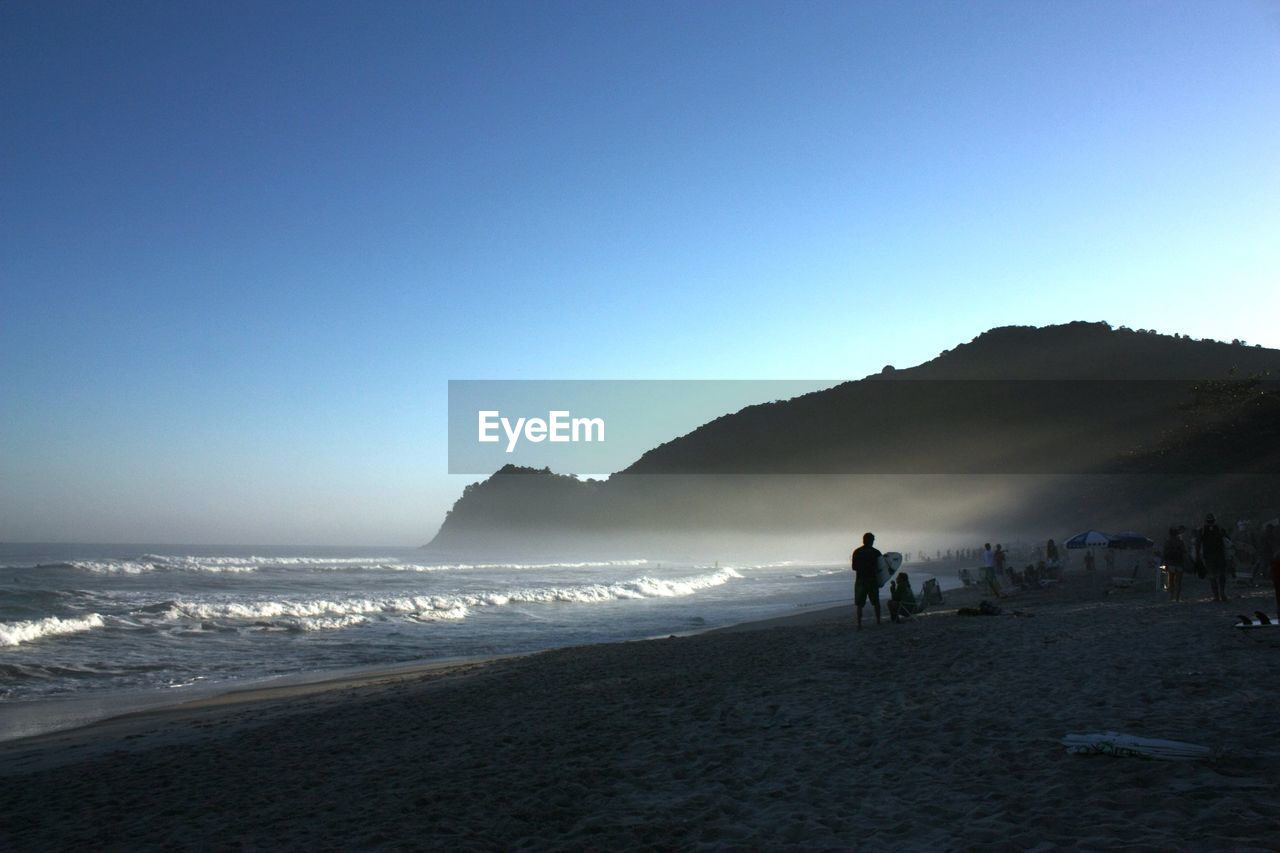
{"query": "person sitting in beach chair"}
pixel 930 595
pixel 902 601
pixel 1032 574
pixel 1017 578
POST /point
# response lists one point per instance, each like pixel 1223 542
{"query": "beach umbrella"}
pixel 1089 539
pixel 1130 540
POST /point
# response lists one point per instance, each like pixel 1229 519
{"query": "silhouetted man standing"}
pixel 864 563
pixel 1213 551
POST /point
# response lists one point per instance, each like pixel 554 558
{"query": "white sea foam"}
pixel 253 563
pixel 330 623
pixel 314 608
pixel 234 565
pixel 454 567
pixel 642 587
pixel 15 633
pixel 330 613
pixel 112 567
pixel 152 563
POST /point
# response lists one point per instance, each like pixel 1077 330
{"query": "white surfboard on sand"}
pixel 1114 743
pixel 887 566
pixel 1260 620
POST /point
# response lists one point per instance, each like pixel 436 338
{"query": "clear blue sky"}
pixel 243 246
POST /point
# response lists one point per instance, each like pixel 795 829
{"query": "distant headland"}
pixel 1022 428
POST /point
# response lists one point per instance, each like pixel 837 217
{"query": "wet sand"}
pixel 794 733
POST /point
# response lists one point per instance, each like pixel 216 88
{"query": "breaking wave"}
pixel 207 617
pixel 456 567
pixel 329 614
pixel 642 587
pixel 442 607
pixel 149 563
pixel 16 633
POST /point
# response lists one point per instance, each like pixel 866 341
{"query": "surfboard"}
pixel 1262 621
pixel 1114 743
pixel 887 567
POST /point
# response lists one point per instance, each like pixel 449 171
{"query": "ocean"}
pixel 87 631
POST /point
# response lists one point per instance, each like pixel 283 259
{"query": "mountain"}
pixel 1077 424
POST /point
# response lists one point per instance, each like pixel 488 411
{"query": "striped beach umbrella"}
pixel 1130 540
pixel 1089 539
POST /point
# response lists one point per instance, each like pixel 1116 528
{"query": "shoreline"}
pixel 95 711
pixel 288 688
pixel 796 731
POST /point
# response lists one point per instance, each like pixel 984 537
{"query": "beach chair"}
pixel 930 594
pixel 1127 582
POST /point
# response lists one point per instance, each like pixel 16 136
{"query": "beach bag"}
pixel 1200 569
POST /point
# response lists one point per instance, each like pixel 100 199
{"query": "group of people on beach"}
pixel 865 563
pixel 998 572
pixel 1209 551
pixel 1212 553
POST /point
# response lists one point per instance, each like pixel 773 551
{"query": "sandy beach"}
pixel 799 732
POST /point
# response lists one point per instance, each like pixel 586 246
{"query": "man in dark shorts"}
pixel 864 562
